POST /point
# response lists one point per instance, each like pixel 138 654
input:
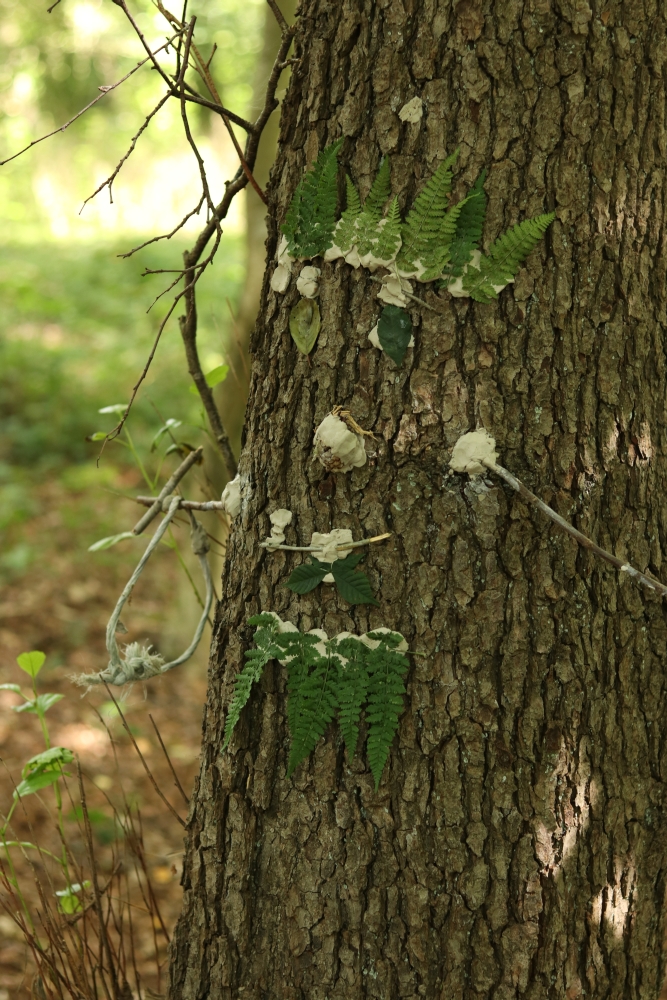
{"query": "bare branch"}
pixel 284 26
pixel 109 181
pixel 105 90
pixel 166 236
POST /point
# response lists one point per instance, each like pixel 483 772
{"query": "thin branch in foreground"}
pixel 178 784
pixel 279 16
pixel 105 90
pixel 109 181
pixel 166 236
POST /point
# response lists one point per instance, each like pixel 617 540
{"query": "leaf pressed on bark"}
pixel 307 576
pixel 311 216
pixel 353 585
pixel 394 332
pixel 304 324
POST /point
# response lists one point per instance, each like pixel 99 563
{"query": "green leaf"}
pixel 379 192
pixel 266 650
pixel 213 378
pixel 118 408
pixel 469 226
pixel 106 543
pixel 389 238
pixel 504 258
pixel 353 585
pixel 311 216
pixel 97 436
pixel 11 687
pixel 68 900
pixel 422 229
pixel 31 662
pixel 312 699
pixel 386 687
pixel 47 759
pixel 351 689
pixel 304 324
pixel 394 332
pixel 169 425
pixel 41 704
pixel 307 576
pixel 35 783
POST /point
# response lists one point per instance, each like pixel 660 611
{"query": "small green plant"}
pixel 353 585
pixel 327 677
pixel 43 770
pixel 311 217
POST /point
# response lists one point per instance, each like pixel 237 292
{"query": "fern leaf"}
pixel 389 239
pixel 468 229
pixel 346 230
pixel 379 192
pixel 421 229
pixel 257 659
pixel 435 260
pixel 504 258
pixel 311 216
pixel 351 690
pixel 312 699
pixel 386 669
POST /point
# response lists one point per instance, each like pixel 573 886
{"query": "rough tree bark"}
pixel 516 847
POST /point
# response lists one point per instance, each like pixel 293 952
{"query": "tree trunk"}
pixel 516 847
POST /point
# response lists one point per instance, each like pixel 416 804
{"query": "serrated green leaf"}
pixel 394 332
pixel 31 662
pixel 53 757
pixel 469 228
pixel 106 543
pixel 304 324
pixel 353 585
pixel 308 576
pixel 422 229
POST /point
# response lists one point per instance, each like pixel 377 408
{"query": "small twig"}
pixel 141 758
pixel 583 540
pixel 408 295
pixel 318 548
pixel 184 504
pixel 133 142
pixel 168 489
pixel 105 91
pixel 186 800
pixel 166 236
pixel 280 18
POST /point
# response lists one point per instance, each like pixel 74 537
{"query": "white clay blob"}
pixel 333 253
pixel 329 552
pixel 393 290
pixel 280 279
pixel 231 497
pixel 412 111
pixel 471 451
pixel 337 447
pixel 321 634
pixel 308 282
pixel 279 521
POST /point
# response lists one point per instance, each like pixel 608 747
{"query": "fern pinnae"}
pixel 379 192
pixel 469 229
pixel 421 228
pixel 504 257
pixel 311 216
pixel 351 690
pixel 266 649
pixel 313 695
pixel 389 239
pixel 386 688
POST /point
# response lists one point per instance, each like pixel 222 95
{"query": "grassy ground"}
pixel 73 335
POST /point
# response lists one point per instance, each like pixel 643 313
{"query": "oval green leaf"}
pixel 106 543
pixel 304 324
pixel 31 662
pixel 394 332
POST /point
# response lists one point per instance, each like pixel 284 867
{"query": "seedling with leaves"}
pixel 353 585
pixel 328 677
pixel 43 770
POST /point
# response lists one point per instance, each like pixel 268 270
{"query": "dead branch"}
pixel 279 16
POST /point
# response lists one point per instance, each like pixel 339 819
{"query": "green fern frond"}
pixel 312 697
pixel 435 261
pixel 389 239
pixel 351 690
pixel 346 230
pixel 257 659
pixel 353 207
pixel 504 258
pixel 468 229
pixel 379 192
pixel 421 231
pixel 311 216
pixel 386 669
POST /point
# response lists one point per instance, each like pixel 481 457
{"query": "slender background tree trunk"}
pixel 517 846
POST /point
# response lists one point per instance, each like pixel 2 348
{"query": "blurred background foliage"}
pixel 74 326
